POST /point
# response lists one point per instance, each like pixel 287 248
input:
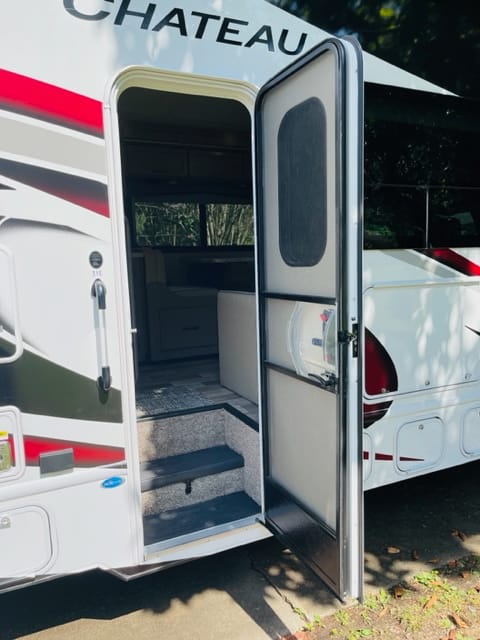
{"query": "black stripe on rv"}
pixel 6 187
pixel 35 385
pixel 82 191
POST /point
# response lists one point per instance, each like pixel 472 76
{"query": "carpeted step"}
pixel 185 479
pixel 187 467
pixel 204 515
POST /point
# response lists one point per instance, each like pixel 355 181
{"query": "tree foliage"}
pixel 439 41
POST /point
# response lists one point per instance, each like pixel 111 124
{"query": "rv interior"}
pixel 186 164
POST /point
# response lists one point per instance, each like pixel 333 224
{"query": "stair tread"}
pixel 188 466
pixel 202 515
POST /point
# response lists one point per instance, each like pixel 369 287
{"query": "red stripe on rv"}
pixel 454 260
pixel 47 102
pixel 82 200
pixel 84 454
pixel 387 456
pixel 83 192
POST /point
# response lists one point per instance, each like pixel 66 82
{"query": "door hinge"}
pixel 347 337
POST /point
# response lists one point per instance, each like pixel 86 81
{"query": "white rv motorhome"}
pixel 203 341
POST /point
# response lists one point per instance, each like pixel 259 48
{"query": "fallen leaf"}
pixel 459 622
pixel 452 635
pixel 433 561
pixel 382 613
pixel 431 601
pixel 451 564
pixel 393 550
pixel 465 574
pixel 398 591
pixel 415 555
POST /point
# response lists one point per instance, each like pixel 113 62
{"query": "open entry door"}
pixel 309 175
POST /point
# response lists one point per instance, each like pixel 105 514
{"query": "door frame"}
pixel 180 83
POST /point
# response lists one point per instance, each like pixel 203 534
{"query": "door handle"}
pixel 99 293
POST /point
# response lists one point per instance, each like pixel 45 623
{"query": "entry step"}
pixel 188 466
pixel 197 517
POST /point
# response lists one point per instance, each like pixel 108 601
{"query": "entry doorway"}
pixel 187 189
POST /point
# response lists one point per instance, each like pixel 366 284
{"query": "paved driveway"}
pixel 259 591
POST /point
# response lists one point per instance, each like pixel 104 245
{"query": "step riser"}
pixel 184 434
pixel 172 436
pixel 173 496
pixel 245 441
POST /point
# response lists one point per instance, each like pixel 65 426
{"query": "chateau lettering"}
pixel 196 24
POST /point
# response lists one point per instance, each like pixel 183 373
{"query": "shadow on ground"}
pixel 260 591
pixel 257 587
pixel 426 522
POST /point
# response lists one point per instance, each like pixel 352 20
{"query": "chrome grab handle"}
pixel 99 292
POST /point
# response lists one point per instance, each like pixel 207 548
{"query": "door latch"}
pixel 347 337
pixel 328 380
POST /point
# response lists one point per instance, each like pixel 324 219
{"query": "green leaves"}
pixel 438 41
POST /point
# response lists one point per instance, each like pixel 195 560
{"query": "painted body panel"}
pixel 59 61
pixel 249 42
pixel 425 314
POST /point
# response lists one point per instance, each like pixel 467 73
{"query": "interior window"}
pixel 167 224
pixel 193 224
pixel 229 225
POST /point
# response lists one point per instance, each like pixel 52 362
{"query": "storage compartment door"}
pixel 25 541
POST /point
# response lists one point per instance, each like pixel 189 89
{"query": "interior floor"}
pixel 185 385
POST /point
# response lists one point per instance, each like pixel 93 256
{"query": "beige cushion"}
pixel 237 343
